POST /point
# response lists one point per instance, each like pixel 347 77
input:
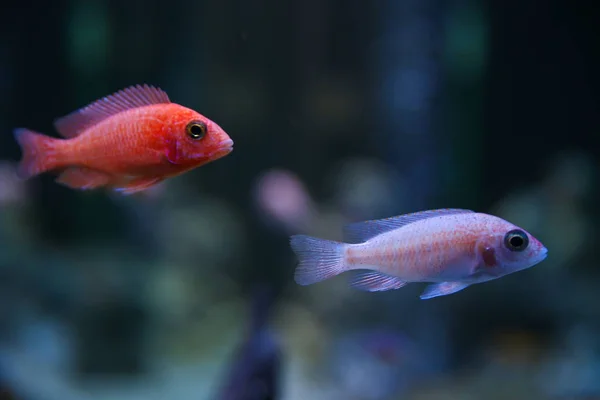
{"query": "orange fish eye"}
pixel 196 129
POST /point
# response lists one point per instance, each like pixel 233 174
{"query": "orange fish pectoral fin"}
pixel 137 185
pixel 83 178
pixel 171 153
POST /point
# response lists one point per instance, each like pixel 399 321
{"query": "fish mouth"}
pixel 543 253
pixel 225 147
pixel 541 256
pixel 226 144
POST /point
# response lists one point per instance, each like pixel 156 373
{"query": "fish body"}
pixel 128 141
pixel 453 248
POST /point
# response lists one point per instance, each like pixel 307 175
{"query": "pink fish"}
pixel 453 248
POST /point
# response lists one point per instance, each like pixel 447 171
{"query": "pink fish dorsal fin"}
pixel 73 124
pixel 362 231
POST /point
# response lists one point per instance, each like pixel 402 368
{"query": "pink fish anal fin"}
pixel 73 124
pixel 83 178
pixel 376 281
pixel 442 289
pixel 137 185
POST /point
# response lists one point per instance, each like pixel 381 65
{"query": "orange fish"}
pixel 128 141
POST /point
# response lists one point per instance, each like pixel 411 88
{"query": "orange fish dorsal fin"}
pixel 136 96
pixel 362 231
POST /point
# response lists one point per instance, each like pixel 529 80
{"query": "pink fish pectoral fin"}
pixel 442 289
pixel 376 281
pixel 83 178
pixel 137 185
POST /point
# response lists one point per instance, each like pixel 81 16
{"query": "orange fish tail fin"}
pixel 319 259
pixel 39 152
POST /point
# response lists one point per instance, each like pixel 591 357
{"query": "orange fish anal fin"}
pixel 39 152
pixel 73 124
pixel 137 185
pixel 376 282
pixel 83 178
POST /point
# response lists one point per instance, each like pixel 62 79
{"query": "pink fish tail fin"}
pixel 39 152
pixel 319 259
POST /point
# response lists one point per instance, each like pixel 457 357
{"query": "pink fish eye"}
pixel 516 240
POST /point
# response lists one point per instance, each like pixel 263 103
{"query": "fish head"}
pixel 196 139
pixel 506 248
